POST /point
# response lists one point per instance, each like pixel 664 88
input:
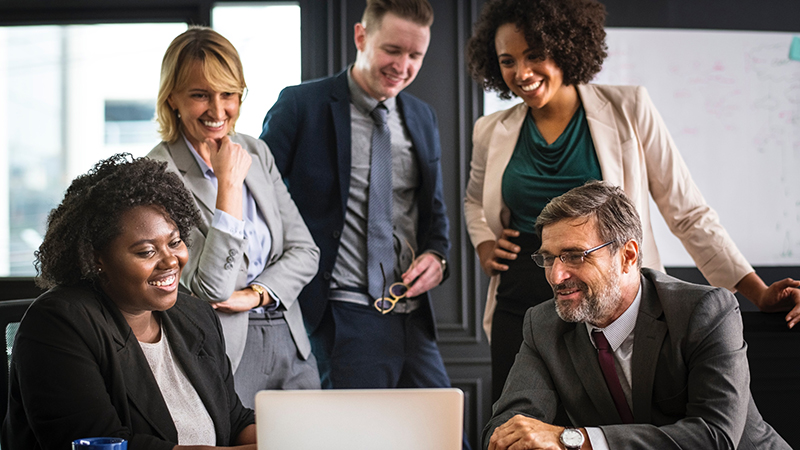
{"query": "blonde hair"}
pixel 221 68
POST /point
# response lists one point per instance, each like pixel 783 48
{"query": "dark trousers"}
pixel 358 347
pixel 521 287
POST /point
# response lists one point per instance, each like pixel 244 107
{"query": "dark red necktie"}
pixel 606 358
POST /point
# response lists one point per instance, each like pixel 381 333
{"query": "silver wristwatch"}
pixel 572 438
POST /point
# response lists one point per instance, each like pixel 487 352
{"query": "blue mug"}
pixel 100 443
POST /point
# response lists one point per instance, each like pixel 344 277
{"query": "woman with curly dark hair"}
pixel 564 133
pixel 112 349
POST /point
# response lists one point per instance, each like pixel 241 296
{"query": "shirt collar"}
pixel 362 100
pixel 208 172
pixel 621 328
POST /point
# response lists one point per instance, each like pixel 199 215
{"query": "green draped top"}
pixel 539 172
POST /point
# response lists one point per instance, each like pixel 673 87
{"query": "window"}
pixel 268 41
pixel 72 95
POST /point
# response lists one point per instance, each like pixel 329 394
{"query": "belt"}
pixel 352 296
pixel 268 315
pixel 406 306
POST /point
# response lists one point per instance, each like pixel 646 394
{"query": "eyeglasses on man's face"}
pixel 572 259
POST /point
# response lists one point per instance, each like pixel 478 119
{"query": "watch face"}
pixel 572 438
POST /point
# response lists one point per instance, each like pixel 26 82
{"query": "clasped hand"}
pixel 229 160
pixel 525 433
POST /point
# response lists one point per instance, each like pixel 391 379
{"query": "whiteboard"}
pixel 731 101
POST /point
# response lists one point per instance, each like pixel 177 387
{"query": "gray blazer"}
pixel 218 261
pixel 690 378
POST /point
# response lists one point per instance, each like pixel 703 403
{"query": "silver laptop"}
pixel 360 419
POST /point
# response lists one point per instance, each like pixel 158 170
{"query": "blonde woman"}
pixel 252 253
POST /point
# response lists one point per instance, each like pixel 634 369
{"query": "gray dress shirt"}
pixel 350 270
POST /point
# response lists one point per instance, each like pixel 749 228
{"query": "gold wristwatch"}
pixel 260 291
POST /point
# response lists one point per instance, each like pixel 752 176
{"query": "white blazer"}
pixel 636 152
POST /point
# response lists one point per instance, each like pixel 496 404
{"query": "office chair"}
pixel 11 312
pixel 774 356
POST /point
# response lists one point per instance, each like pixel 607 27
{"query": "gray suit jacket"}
pixel 218 261
pixel 690 378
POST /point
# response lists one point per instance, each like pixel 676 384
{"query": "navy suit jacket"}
pixel 308 132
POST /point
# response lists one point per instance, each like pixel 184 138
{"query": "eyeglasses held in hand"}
pixel 397 291
pixel 572 259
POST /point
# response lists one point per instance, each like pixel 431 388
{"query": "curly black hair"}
pixel 568 31
pixel 87 220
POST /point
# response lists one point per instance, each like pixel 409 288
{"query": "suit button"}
pixel 336 234
pixel 326 275
pixel 228 266
pixel 229 259
pixel 233 252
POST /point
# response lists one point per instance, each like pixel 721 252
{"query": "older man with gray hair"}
pixel 623 357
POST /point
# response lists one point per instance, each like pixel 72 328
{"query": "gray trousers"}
pixel 271 361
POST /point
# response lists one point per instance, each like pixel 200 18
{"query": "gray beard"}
pixel 594 308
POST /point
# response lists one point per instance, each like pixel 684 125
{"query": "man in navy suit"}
pixel 322 134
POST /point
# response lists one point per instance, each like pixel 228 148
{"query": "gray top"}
pixel 188 412
pixel 350 269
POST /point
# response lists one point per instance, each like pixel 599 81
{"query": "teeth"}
pixel 394 78
pixel 165 282
pixel 531 87
pixel 213 124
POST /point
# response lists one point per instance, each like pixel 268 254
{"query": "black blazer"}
pixel 308 132
pixel 78 371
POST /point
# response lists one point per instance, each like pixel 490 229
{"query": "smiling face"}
pixel 141 267
pixel 390 56
pixel 592 291
pixel 205 113
pixel 529 74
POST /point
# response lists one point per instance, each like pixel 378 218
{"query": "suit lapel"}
pixel 503 141
pixel 258 183
pixel 584 359
pixel 648 339
pixel 603 128
pixel 416 131
pixel 140 384
pixel 202 189
pixel 186 342
pixel 340 112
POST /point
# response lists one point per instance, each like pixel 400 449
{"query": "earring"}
pixel 178 113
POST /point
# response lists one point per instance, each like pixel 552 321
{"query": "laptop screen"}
pixel 360 419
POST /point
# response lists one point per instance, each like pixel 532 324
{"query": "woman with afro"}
pixel 565 132
pixel 112 349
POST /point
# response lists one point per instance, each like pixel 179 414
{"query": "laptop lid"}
pixel 360 419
